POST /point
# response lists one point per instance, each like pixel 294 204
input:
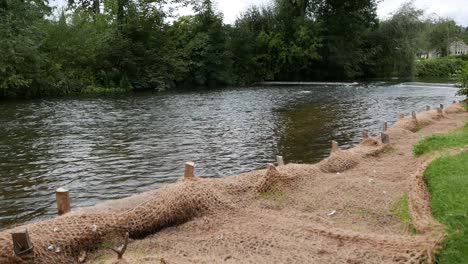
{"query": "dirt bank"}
pixel 336 211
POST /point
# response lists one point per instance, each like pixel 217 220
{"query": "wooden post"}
pixel 121 250
pixel 454 102
pixel 279 160
pixel 441 106
pixel 439 111
pixel 385 138
pixel 428 108
pixel 22 243
pixel 413 115
pixel 402 116
pixel 335 146
pixel 365 134
pixel 189 170
pixel 63 201
pixel 385 126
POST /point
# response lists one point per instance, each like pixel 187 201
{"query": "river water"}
pixel 108 148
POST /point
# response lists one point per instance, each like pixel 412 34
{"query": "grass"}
pixel 274 195
pixel 447 180
pixel 400 209
pixel 458 138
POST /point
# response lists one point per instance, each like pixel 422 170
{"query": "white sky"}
pixel 455 9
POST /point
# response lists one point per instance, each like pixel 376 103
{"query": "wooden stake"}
pixel 22 243
pixel 121 250
pixel 385 138
pixel 441 106
pixel 63 201
pixel 413 115
pixel 279 160
pixel 189 170
pixel 454 102
pixel 428 108
pixel 365 134
pixel 402 116
pixel 385 126
pixel 335 146
pixel 439 110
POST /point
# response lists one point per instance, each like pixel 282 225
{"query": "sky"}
pixel 456 9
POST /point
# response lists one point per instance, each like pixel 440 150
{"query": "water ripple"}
pixel 109 148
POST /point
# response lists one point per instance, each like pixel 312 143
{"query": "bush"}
pixel 463 81
pixel 440 67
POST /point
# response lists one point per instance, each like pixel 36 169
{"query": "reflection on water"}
pixel 111 148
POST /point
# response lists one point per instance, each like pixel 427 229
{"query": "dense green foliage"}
pixel 447 180
pixel 463 81
pixel 97 46
pixel 440 67
pixel 439 142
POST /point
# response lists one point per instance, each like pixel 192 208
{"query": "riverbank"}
pixel 338 210
pixel 447 180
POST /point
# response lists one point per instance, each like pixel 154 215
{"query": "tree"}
pixel 346 28
pixel 441 33
pixel 399 40
pixel 23 66
pixel 202 40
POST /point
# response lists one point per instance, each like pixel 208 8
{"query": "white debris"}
pixel 94 228
pixel 332 213
pixel 50 247
pixel 338 173
pixel 56 229
pixel 57 250
pixel 384 192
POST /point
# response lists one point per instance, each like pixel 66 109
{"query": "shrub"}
pixel 463 81
pixel 440 67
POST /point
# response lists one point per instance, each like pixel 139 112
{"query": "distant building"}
pixel 430 54
pixel 458 48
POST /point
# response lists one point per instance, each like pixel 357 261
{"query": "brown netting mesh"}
pixel 454 108
pixel 408 123
pixel 293 213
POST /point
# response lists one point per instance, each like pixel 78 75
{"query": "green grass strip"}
pixel 447 180
pixel 458 138
pixel 400 209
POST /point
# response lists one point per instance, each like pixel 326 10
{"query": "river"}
pixel 112 147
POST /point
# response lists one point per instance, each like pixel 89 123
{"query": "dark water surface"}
pixel 108 148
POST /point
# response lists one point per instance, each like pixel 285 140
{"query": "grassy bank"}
pixel 458 138
pixel 447 180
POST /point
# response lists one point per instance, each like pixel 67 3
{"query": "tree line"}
pixel 100 46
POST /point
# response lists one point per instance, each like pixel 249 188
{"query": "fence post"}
pixel 63 200
pixel 365 134
pixel 334 146
pixel 385 138
pixel 21 242
pixel 189 170
pixel 279 160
